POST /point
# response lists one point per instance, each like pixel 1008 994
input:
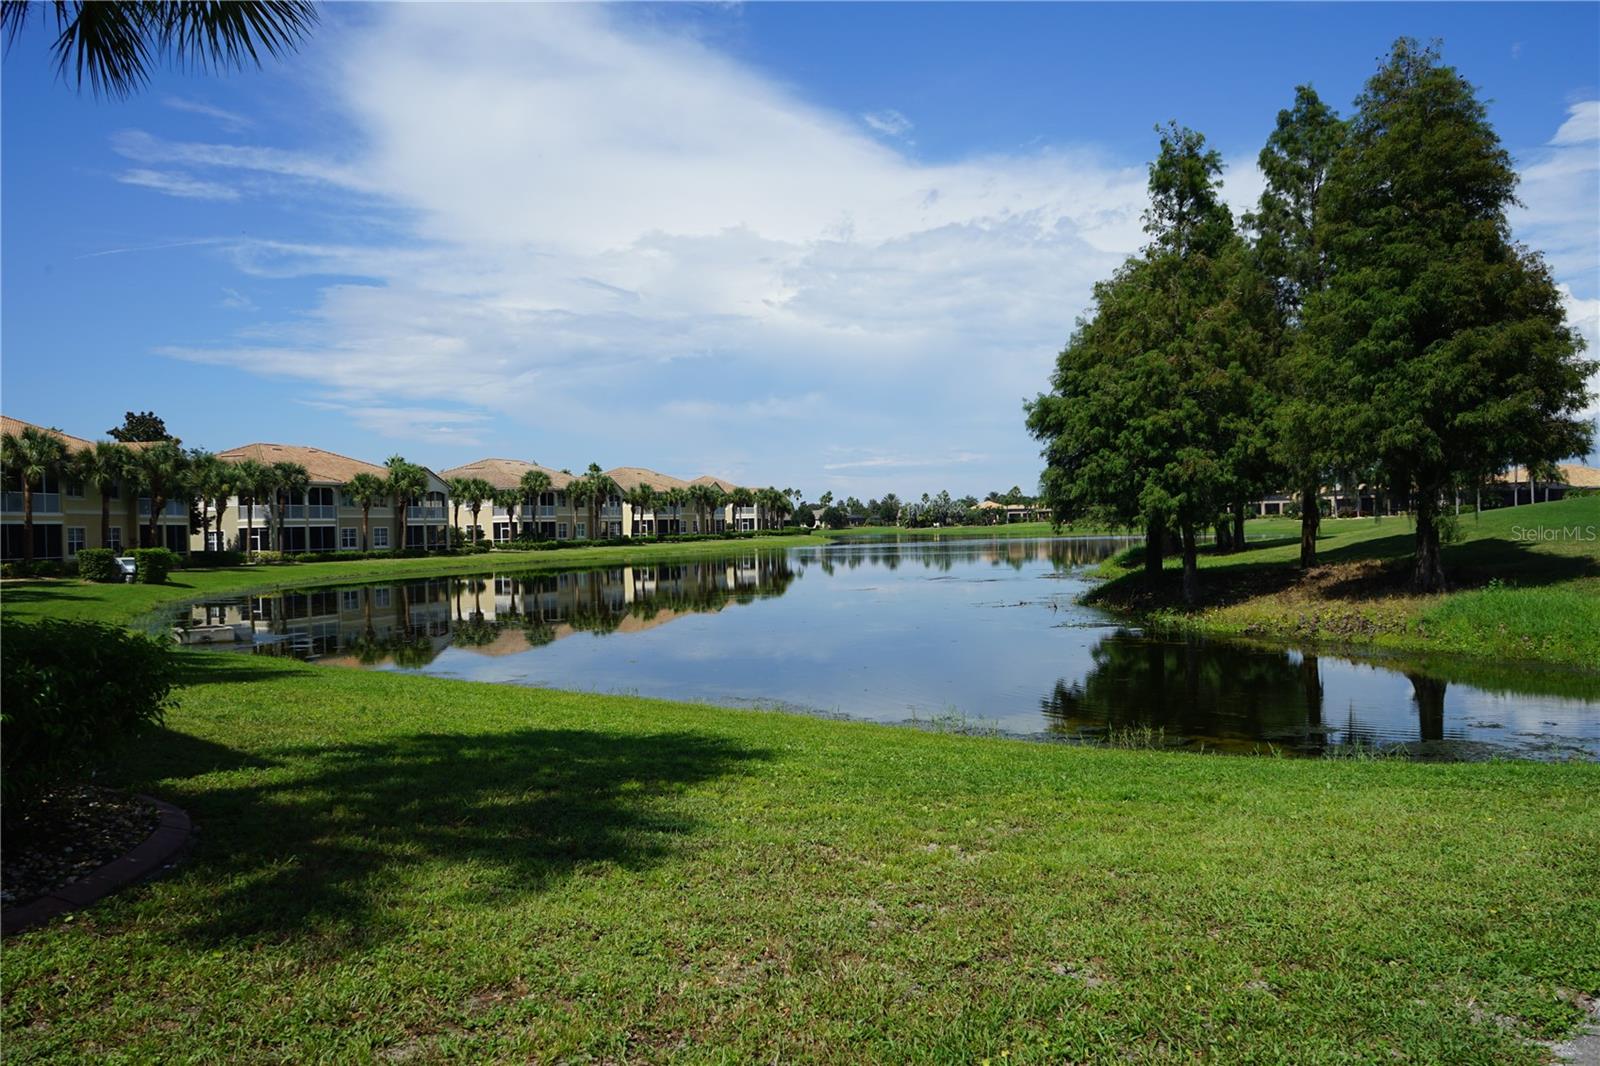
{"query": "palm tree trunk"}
pixel 249 527
pixel 105 519
pixel 27 521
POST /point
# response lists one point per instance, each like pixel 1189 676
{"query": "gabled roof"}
pixel 15 426
pixel 631 477
pixel 326 467
pixel 707 479
pixel 505 473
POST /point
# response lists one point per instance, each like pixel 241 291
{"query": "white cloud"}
pixel 888 122
pixel 1582 125
pixel 228 120
pixel 177 183
pixel 234 300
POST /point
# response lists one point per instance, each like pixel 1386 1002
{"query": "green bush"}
pixel 99 564
pixel 267 557
pixel 73 692
pixel 154 564
pixel 222 558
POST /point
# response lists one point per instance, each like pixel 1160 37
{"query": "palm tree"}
pixel 639 499
pixel 103 467
pixel 507 498
pixel 251 481
pixel 366 490
pixel 290 480
pixel 407 482
pixel 581 491
pixel 116 44
pixel 602 488
pixel 741 497
pixel 159 470
pixel 534 483
pixel 31 456
pixel 475 492
pixel 458 487
pixel 206 480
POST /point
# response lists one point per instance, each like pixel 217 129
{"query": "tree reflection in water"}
pixel 1203 693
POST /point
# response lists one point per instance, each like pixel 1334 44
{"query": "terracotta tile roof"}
pixel 15 426
pixel 707 479
pixel 505 473
pixel 325 467
pixel 631 477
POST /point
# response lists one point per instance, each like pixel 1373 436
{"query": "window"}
pixel 380 597
pixel 76 539
pixel 349 537
pixel 74 489
pixel 583 530
pixel 350 600
pixel 380 536
pixel 321 538
pixel 345 500
pixel 561 531
pixel 114 538
pixel 502 531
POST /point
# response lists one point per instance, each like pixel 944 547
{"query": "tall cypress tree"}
pixel 1285 224
pixel 1447 341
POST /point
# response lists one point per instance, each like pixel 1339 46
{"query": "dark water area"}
pixel 981 635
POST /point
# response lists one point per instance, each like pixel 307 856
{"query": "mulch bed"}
pixel 72 832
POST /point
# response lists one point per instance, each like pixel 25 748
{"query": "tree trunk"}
pixel 366 522
pixel 1223 538
pixel 1239 544
pixel 1429 695
pixel 249 528
pixel 1310 518
pixel 1191 576
pixel 1154 543
pixel 1429 573
pixel 105 519
pixel 27 521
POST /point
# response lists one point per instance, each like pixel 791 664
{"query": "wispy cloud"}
pixel 228 120
pixel 234 300
pixel 1582 125
pixel 177 183
pixel 903 462
pixel 888 122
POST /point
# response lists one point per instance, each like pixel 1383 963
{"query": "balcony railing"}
pixel 43 502
pixel 547 510
pixel 425 514
pixel 172 508
pixel 322 511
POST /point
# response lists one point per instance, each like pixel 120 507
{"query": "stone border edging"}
pixel 169 838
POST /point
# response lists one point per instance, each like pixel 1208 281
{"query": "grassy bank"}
pixel 419 869
pixel 1258 528
pixel 1526 586
pixel 124 604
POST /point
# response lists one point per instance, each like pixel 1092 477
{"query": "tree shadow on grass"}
pixel 334 843
pixel 1372 569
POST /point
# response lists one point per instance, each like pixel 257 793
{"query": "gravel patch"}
pixel 73 832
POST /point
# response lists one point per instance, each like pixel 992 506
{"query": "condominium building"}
pixel 68 516
pixel 324 517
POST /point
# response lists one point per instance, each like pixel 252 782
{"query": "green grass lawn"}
pixel 125 604
pixel 415 869
pixel 1516 595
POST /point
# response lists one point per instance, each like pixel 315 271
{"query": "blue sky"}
pixel 827 246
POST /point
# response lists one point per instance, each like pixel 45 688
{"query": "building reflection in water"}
pixel 408 624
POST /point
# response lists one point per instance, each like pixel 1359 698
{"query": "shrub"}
pixel 222 558
pixel 267 557
pixel 73 692
pixel 154 565
pixel 98 564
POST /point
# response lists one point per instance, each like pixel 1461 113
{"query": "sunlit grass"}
pixel 424 869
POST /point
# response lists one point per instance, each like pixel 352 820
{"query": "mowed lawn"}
pixel 1525 585
pixel 414 869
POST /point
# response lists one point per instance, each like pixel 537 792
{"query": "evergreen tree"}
pixel 1295 162
pixel 1448 340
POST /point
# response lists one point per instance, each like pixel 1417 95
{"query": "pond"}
pixel 967 634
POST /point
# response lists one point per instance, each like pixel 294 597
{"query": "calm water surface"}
pixel 969 634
